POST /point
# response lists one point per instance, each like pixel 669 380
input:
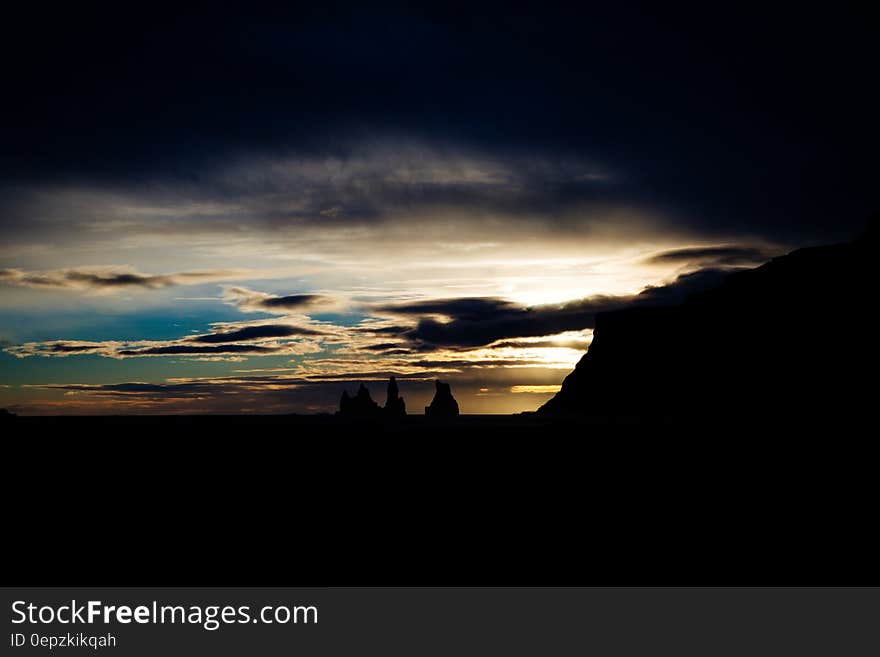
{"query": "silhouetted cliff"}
pixel 789 341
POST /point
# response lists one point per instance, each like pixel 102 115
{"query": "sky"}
pixel 251 208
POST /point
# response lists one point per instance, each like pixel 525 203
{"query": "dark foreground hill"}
pixel 791 341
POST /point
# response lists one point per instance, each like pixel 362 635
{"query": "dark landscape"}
pixel 531 292
pixel 779 346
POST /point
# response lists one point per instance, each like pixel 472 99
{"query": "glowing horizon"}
pixel 149 299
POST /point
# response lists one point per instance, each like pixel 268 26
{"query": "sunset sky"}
pixel 252 210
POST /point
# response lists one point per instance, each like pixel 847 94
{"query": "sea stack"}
pixel 361 405
pixel 443 404
pixel 394 404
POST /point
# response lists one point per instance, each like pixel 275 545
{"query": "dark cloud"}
pixel 160 394
pixel 385 347
pixel 467 308
pixel 256 333
pixel 138 388
pixel 474 322
pixel 511 322
pixel 249 300
pixel 291 301
pixel 580 345
pixel 716 256
pixel 118 280
pixel 185 349
pixel 60 348
pixel 417 180
pixel 64 348
pixel 465 363
pixel 262 339
pixel 396 329
pixel 108 278
pixel 690 107
pixel 147 387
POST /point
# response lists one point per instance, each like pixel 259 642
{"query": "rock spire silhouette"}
pixel 443 404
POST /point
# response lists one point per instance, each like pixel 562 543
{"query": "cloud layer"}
pixel 473 322
pixel 714 256
pixel 110 278
pixel 250 301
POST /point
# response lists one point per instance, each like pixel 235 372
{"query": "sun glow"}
pixel 539 390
